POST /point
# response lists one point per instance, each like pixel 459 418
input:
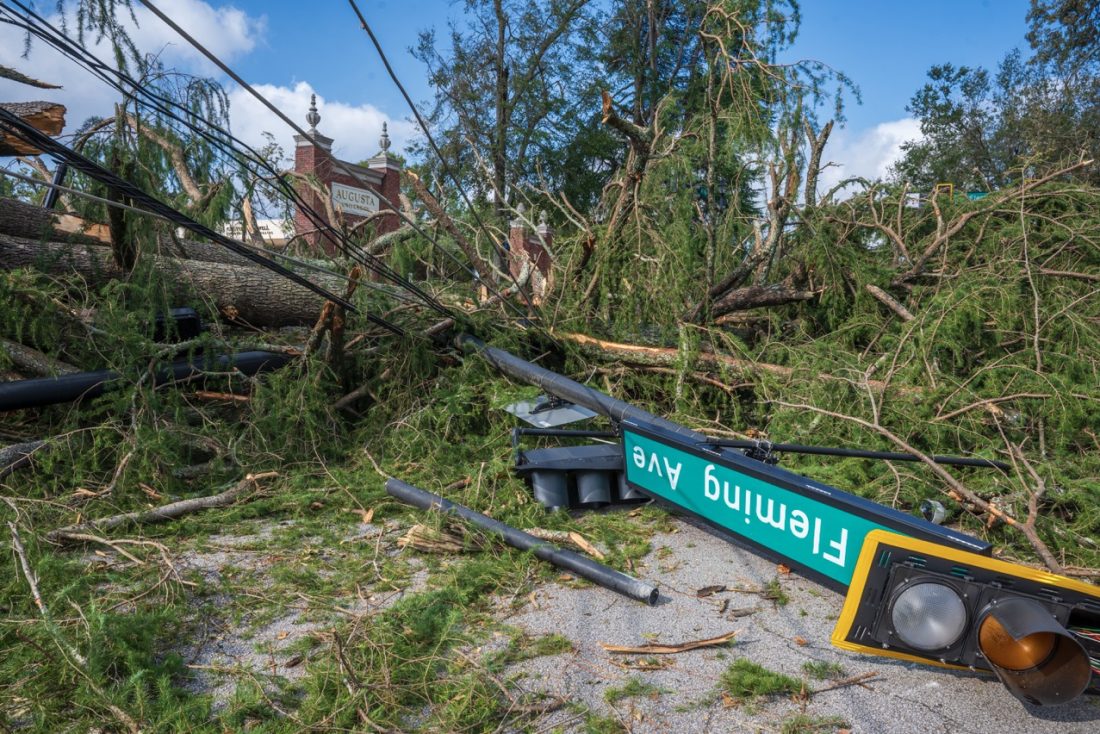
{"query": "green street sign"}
pixel 813 527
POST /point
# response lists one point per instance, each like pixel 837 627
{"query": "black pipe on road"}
pixel 67 388
pixel 586 568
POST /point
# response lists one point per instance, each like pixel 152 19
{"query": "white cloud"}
pixel 226 31
pixel 866 153
pixel 355 129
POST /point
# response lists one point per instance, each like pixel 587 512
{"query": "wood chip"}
pixel 800 641
pixel 643 664
pixel 710 591
pixel 783 570
pixel 580 541
pixel 430 540
pixel 364 515
pixel 657 649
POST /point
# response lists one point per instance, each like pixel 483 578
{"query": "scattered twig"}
pixel 855 680
pixel 567 537
pixel 167 512
pixel 658 649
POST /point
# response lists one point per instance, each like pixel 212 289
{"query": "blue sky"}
pixel 290 49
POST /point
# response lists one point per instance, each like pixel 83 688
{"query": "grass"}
pixel 634 687
pixel 806 724
pixel 773 592
pixel 746 681
pixel 822 670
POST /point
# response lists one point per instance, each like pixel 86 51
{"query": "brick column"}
pixel 530 247
pixel 312 157
pixel 390 168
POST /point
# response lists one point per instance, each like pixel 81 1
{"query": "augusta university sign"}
pixel 816 529
pixel 351 200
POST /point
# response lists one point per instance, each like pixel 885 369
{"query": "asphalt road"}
pixel 901 698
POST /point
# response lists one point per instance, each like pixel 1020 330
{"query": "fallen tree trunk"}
pixel 668 356
pixel 249 294
pixel 34 362
pixel 17 456
pixel 20 219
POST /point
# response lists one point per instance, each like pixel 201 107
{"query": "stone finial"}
pixel 542 218
pixel 521 208
pixel 313 117
pixel 384 141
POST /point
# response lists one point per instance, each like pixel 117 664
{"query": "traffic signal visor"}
pixel 924 602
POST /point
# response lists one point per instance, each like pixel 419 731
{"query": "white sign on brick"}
pixel 351 200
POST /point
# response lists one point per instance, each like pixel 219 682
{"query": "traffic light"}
pixel 929 603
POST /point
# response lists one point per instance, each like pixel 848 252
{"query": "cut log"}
pixel 249 294
pixel 48 117
pixel 20 219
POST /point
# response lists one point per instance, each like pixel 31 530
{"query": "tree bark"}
pixel 17 456
pixel 34 222
pixel 249 294
pixel 758 296
pixel 34 362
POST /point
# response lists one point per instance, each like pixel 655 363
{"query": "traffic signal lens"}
pixel 1003 651
pixel 928 616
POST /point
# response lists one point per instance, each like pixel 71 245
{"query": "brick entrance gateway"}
pixel 348 195
pixel 352 193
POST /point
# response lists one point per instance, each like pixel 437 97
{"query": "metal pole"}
pixel 58 179
pixel 567 389
pixel 586 568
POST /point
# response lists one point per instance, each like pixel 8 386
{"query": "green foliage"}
pixel 634 687
pixel 984 131
pixel 806 724
pixel 746 681
pixel 822 670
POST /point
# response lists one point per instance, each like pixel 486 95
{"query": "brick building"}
pixel 354 192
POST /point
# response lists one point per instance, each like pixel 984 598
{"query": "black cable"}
pixel 57 188
pixel 298 129
pixel 161 104
pixel 438 152
pixel 23 130
pixel 766 447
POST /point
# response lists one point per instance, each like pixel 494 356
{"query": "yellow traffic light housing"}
pixel 921 601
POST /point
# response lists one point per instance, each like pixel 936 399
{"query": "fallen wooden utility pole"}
pixel 669 356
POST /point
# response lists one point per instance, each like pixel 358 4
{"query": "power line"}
pixel 21 129
pixel 298 129
pixel 438 152
pixel 262 250
pixel 163 105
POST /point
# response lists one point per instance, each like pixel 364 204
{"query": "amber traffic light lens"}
pixel 1003 651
